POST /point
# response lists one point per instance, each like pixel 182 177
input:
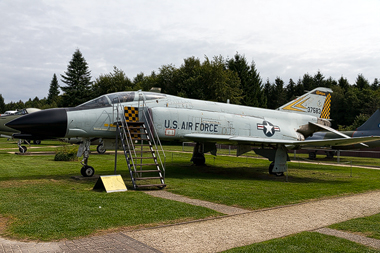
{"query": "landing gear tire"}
pixel 199 159
pixel 87 171
pixel 312 155
pixel 100 148
pixel 277 174
pixel 22 149
pixel 37 142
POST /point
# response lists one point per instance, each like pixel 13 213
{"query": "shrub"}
pixel 66 153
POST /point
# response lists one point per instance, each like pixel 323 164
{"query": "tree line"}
pixel 217 79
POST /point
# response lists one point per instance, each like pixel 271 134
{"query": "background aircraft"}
pixel 370 128
pixel 7 132
pixel 137 114
pixel 8 113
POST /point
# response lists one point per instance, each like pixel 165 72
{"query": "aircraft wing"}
pixel 255 141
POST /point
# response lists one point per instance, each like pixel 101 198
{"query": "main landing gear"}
pixel 279 157
pixel 199 159
pixel 198 155
pixel 101 149
pixel 277 174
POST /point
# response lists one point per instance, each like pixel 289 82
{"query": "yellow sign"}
pixel 112 183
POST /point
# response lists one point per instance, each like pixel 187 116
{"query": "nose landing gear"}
pixel 84 148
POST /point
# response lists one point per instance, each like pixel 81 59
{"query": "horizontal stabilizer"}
pixel 335 132
pixel 327 128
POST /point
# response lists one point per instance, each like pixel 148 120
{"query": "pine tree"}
pixel 343 83
pixel 53 90
pixel 361 82
pixel 2 104
pixel 290 90
pixel 78 80
pixel 250 81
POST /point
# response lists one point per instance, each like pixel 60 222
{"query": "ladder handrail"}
pixel 140 129
pixel 155 134
pixel 125 126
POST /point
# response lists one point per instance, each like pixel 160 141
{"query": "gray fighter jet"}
pixel 370 128
pixel 7 132
pixel 270 133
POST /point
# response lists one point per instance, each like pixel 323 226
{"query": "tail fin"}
pixel 316 103
pixel 373 123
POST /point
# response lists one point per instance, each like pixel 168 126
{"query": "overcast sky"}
pixel 285 39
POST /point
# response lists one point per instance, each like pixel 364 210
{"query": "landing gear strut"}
pixel 199 159
pixel 21 148
pixel 86 171
pixel 198 155
pixel 277 174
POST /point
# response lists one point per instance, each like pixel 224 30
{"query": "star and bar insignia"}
pixel 268 128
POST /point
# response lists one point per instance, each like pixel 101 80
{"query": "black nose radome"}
pixel 50 123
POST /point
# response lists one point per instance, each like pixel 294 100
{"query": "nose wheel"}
pixel 21 148
pixel 87 171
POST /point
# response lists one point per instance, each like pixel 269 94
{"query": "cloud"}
pixel 284 38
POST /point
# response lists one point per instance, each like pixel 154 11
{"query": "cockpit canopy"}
pixel 120 97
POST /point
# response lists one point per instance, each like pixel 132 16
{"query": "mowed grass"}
pixel 366 226
pixel 245 182
pixel 305 242
pixel 40 200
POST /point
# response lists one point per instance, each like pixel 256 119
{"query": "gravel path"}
pixel 370 242
pixel 217 207
pixel 222 233
pixel 238 230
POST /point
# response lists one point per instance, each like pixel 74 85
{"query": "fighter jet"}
pixel 370 128
pixel 270 133
pixel 7 132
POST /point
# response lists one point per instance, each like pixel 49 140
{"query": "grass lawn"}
pixel 367 226
pixel 305 242
pixel 40 200
pixel 245 182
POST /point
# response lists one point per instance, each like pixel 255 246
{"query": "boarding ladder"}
pixel 141 146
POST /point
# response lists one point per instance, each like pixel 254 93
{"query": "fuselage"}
pixel 173 117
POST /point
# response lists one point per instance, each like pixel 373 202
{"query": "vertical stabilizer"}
pixel 373 123
pixel 316 103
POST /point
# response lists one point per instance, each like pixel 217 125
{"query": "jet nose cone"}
pixel 50 123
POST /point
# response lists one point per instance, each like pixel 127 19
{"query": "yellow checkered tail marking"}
pixel 326 107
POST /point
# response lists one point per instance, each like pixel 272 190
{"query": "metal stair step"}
pixel 139 139
pixel 147 171
pixel 147 178
pixel 138 158
pixel 151 185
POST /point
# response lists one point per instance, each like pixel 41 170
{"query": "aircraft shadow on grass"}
pixel 258 173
